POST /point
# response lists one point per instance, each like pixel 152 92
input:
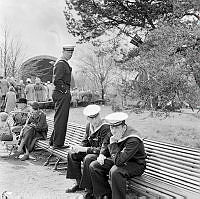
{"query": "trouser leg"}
pixel 86 178
pixel 74 165
pixel 118 182
pixel 62 105
pixel 99 176
pixel 119 175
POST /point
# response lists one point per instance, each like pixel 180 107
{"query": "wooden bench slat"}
pixel 155 193
pixel 174 170
pixel 160 185
pixel 196 157
pixel 184 168
pixel 149 152
pixel 175 152
pixel 191 166
pixel 172 145
pixel 171 178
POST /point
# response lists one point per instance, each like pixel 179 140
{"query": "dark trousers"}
pixel 74 168
pixel 118 176
pixel 62 105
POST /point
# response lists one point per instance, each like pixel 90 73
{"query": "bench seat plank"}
pixel 187 149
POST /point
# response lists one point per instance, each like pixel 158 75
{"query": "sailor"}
pixel 126 159
pixel 61 97
pixel 95 142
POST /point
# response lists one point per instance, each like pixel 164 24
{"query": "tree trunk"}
pixel 196 74
pixel 102 94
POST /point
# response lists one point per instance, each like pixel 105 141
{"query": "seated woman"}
pixel 36 128
pixel 20 115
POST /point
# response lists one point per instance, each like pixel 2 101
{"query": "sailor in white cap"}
pixel 61 97
pixel 126 159
pixel 95 142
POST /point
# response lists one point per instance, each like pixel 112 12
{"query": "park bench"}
pixel 172 171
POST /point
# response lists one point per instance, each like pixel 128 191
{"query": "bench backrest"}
pixel 74 135
pixel 174 164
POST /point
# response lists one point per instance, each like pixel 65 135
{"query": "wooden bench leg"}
pixel 48 160
pixel 57 163
pixel 62 168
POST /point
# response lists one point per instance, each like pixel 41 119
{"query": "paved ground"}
pixel 29 180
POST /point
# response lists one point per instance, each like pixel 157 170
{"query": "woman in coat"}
pixel 36 128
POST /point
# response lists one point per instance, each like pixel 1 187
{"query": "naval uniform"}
pixel 61 97
pixel 94 140
pixel 126 159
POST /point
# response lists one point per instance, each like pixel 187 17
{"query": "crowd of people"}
pixel 12 90
pixel 110 148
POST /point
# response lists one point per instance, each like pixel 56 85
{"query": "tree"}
pixel 90 19
pixel 168 63
pixel 11 52
pixel 99 67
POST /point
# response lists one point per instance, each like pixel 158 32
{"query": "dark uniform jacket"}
pixel 95 139
pixel 128 149
pixel 62 75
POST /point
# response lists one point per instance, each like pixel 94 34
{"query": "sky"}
pixel 39 23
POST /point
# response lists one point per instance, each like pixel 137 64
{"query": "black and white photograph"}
pixel 99 99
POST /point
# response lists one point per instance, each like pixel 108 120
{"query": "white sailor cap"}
pixel 117 118
pixel 91 110
pixel 68 48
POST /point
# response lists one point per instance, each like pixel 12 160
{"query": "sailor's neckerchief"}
pixel 92 130
pixel 62 58
pixel 130 132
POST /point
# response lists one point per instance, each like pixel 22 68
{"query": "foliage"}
pixel 168 63
pixel 92 18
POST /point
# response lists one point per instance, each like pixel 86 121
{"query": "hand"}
pixel 101 159
pixel 78 148
pixel 113 139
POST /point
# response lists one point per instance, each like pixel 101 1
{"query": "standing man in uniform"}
pixel 95 142
pixel 126 159
pixel 61 97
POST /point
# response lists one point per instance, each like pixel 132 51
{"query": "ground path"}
pixel 31 180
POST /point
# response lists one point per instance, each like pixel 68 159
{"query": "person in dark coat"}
pixel 36 128
pixel 125 158
pixel 61 97
pixel 97 135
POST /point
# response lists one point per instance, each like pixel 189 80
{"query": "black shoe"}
pixel 60 147
pixel 89 195
pixel 73 189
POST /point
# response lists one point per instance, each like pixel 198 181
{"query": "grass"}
pixel 178 128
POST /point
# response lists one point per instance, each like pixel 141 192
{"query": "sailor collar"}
pixel 92 130
pixel 133 135
pixel 130 132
